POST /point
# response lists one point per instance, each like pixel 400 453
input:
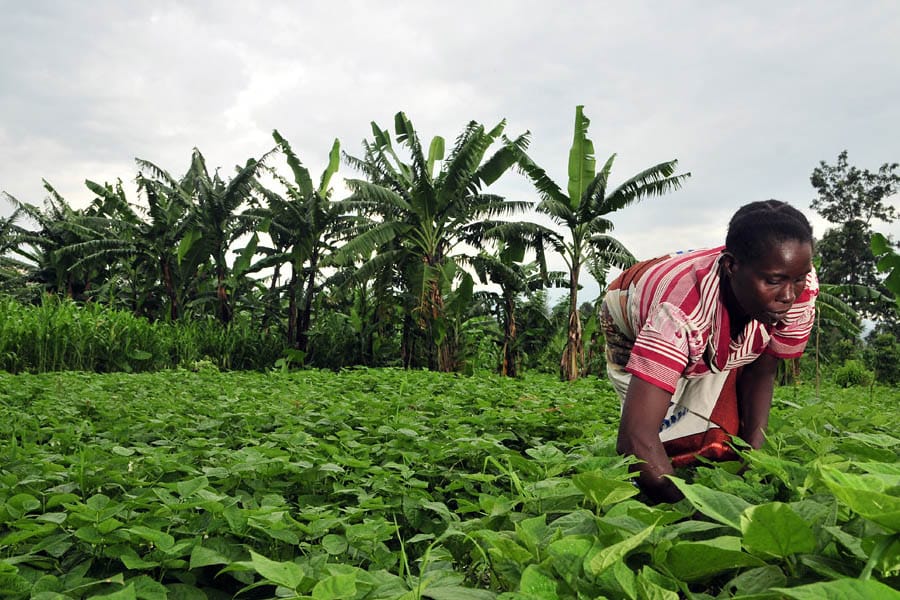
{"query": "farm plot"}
pixel 396 484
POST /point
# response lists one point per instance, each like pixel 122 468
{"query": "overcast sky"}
pixel 748 96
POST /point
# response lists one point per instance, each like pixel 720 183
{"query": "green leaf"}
pixel 435 153
pixel 866 495
pixel 334 162
pixel 22 504
pixel 204 557
pixel 187 488
pixel 287 574
pixel 697 561
pixel 186 243
pixel 600 560
pixel 126 593
pixel 719 506
pixel 582 163
pixel 146 588
pixel 456 592
pixel 774 529
pixel 842 589
pixel 161 539
pixel 537 582
pixel 334 544
pixel 650 590
pixel 567 556
pixel 604 491
pixel 334 587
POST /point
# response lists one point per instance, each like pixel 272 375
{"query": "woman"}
pixel 694 340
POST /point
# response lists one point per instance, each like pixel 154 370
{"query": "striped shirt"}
pixel 665 319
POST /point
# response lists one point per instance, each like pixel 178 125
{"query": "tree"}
pixel 304 227
pixel 212 222
pixel 582 210
pixel 515 278
pixel 421 214
pixel 852 200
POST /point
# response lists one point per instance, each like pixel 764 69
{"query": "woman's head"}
pixel 767 257
pixel 755 227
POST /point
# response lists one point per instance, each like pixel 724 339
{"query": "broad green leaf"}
pixel 183 591
pixel 186 243
pixel 334 587
pixel 334 162
pixel 597 562
pixel 582 162
pixel 126 593
pixel 334 544
pixel 204 557
pixel 756 581
pixel 456 592
pixel 719 506
pixel 649 590
pixel 866 495
pixel 537 582
pixel 186 488
pixel 146 588
pixel 842 589
pixel 134 562
pixel 22 504
pixel 435 153
pixel 287 574
pixel 696 561
pixel 161 539
pixel 567 556
pixel 774 529
pixel 531 532
pixel 604 491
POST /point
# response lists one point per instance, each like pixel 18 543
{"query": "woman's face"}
pixel 767 287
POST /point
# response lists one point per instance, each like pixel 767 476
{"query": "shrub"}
pixel 853 372
pixel 884 358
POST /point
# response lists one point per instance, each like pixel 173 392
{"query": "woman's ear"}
pixel 728 262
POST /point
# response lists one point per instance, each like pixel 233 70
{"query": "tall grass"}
pixel 61 335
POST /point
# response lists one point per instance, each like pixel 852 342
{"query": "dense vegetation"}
pixel 415 484
pixel 215 468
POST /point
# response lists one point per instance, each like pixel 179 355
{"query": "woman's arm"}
pixel 644 409
pixel 754 392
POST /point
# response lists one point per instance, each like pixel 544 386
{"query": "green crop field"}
pixel 413 484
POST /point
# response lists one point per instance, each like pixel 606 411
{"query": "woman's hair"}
pixel 755 227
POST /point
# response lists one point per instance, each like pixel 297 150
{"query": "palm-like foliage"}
pixel 304 228
pixel 583 211
pixel 35 257
pixel 420 215
pixel 514 278
pixel 204 208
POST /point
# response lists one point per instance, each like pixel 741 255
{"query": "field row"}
pixel 412 484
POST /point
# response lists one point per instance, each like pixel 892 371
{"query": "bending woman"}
pixel 694 341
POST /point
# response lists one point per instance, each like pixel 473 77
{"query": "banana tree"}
pixel 420 214
pixel 212 222
pixel 582 211
pixel 304 227
pixel 515 278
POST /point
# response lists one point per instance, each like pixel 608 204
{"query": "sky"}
pixel 749 97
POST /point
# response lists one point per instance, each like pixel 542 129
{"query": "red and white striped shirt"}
pixel 669 321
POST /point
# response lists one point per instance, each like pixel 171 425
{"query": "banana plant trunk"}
pixel 306 314
pixel 222 294
pixel 573 354
pixel 444 355
pixel 174 305
pixel 292 309
pixel 509 367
